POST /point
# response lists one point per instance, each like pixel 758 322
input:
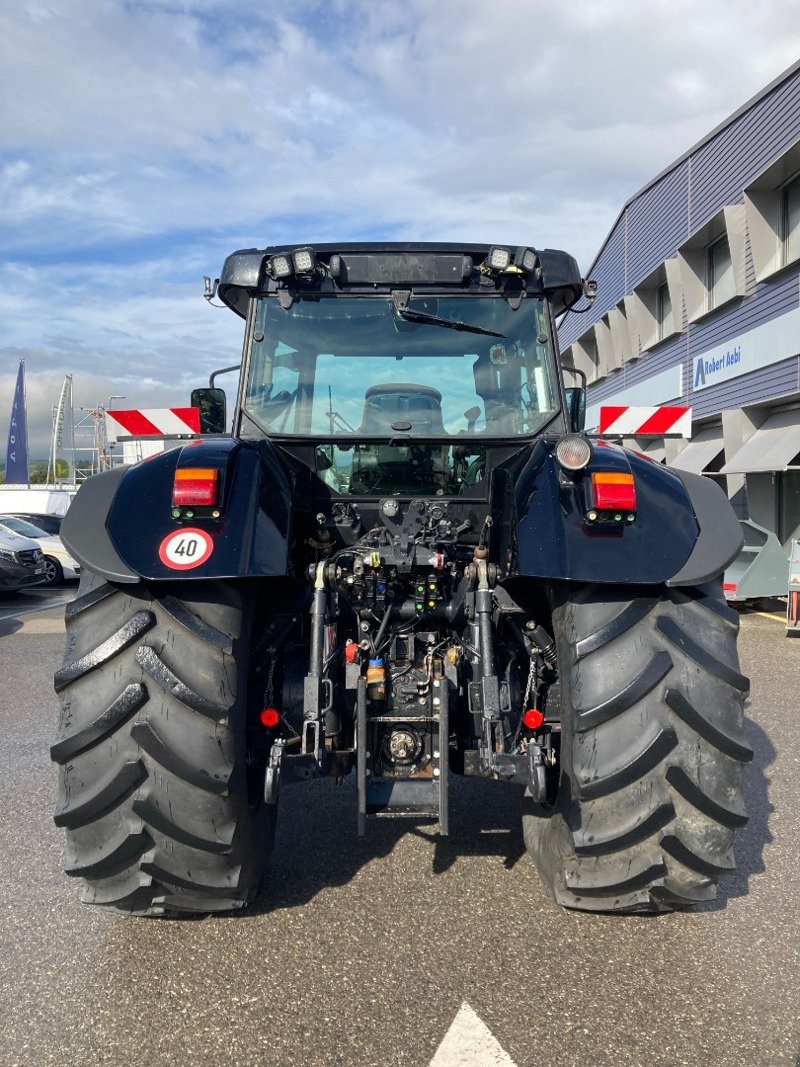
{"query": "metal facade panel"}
pixel 749 271
pixel 607 388
pixel 722 167
pixel 609 274
pixel 773 298
pixel 657 224
pixel 571 327
pixel 668 355
pixel 770 383
pixel 770 300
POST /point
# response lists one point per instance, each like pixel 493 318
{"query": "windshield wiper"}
pixel 410 315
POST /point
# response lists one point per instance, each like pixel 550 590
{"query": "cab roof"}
pixel 370 267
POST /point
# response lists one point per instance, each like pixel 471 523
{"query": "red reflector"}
pixel 730 587
pixel 532 719
pixel 270 717
pixel 613 492
pixel 195 487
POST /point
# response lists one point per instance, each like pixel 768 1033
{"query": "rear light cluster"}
pixel 606 494
pixel 614 494
pixel 195 487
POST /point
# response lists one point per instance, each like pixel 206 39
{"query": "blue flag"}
pixel 17 450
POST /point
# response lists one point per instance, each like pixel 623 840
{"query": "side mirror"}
pixel 212 406
pixel 576 407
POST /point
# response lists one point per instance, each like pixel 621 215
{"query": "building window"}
pixel 791 221
pixel 666 324
pixel 721 282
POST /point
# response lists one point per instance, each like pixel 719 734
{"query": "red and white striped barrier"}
pixel 152 422
pixel 643 422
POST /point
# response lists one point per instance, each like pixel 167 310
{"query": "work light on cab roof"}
pixel 501 259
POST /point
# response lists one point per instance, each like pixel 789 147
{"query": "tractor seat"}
pixel 419 405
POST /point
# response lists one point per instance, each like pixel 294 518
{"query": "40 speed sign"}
pixel 184 549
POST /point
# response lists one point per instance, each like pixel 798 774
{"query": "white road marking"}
pixel 42 626
pixel 18 613
pixel 470 1043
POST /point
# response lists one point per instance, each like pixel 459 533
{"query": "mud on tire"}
pixel 151 747
pixel 652 750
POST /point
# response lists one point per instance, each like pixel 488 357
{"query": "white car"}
pixel 58 562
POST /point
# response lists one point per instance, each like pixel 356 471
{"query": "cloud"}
pixel 175 116
pixel 119 329
pixel 142 142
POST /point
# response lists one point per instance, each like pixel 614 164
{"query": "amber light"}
pixel 613 491
pixel 270 717
pixel 195 487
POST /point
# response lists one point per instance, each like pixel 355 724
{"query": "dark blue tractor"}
pixel 406 562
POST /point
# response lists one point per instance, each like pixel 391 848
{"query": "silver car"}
pixel 59 563
pixel 21 562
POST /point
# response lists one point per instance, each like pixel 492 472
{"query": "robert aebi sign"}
pixel 705 368
pixel 764 345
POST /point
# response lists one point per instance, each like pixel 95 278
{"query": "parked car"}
pixel 51 524
pixel 21 562
pixel 59 563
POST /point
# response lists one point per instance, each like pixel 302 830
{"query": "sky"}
pixel 142 142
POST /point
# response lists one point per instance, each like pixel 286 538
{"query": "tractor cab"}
pixel 405 366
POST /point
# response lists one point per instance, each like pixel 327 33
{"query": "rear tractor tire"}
pixel 652 750
pixel 152 739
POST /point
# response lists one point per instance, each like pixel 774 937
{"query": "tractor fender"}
pixel 684 533
pixel 121 520
pixel 720 537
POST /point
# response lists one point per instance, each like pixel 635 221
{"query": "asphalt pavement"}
pixel 370 952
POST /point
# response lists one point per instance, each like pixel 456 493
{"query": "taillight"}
pixel 613 491
pixel 532 719
pixel 195 487
pixel 270 718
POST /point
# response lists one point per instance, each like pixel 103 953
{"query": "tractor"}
pixel 401 560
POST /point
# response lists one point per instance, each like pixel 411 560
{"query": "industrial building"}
pixel 699 304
